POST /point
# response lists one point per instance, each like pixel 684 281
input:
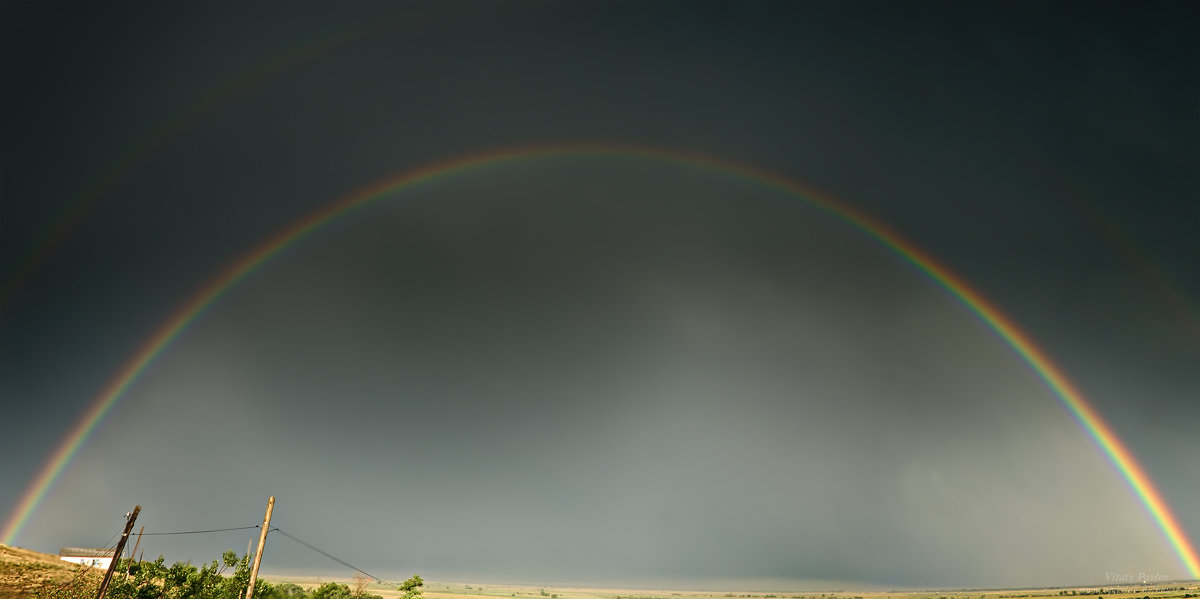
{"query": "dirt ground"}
pixel 22 571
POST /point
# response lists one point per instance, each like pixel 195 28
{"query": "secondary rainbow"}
pixel 1053 376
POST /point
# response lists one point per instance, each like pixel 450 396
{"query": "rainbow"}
pixel 1053 376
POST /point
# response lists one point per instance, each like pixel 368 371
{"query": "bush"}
pixel 154 580
pixel 412 587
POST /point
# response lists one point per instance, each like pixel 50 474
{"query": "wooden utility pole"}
pixel 117 554
pixel 134 552
pixel 138 542
pixel 262 540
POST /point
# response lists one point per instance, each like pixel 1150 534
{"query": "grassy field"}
pixel 458 590
pixel 22 571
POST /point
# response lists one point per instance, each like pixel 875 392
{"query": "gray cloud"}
pixel 609 371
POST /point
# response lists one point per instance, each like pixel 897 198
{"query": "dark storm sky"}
pixel 608 371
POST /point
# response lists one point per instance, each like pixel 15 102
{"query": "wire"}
pixel 276 529
pixel 336 559
pixel 113 546
pixel 78 575
pixel 196 532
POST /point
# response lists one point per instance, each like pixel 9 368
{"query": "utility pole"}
pixel 262 540
pixel 138 542
pixel 134 552
pixel 117 554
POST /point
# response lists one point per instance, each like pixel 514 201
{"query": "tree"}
pixel 360 588
pixel 331 590
pixel 287 590
pixel 151 580
pixel 412 587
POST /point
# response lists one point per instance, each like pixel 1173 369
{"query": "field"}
pixel 436 590
pixel 22 571
pixel 454 590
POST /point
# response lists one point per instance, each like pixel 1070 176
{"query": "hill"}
pixel 23 571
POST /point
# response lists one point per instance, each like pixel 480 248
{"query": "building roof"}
pixel 85 552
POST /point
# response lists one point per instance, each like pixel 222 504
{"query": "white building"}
pixel 96 558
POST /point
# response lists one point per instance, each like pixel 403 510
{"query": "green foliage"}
pixel 224 578
pixel 154 580
pixel 288 590
pixel 331 590
pixel 186 581
pixel 411 587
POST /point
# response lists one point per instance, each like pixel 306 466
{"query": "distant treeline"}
pixel 1116 591
pixel 1112 591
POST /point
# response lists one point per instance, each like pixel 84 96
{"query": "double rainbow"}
pixel 1067 393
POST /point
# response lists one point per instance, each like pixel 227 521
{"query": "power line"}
pixel 336 559
pixel 196 532
pixel 106 544
pixel 109 543
pixel 78 574
pixel 278 530
pixel 82 569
